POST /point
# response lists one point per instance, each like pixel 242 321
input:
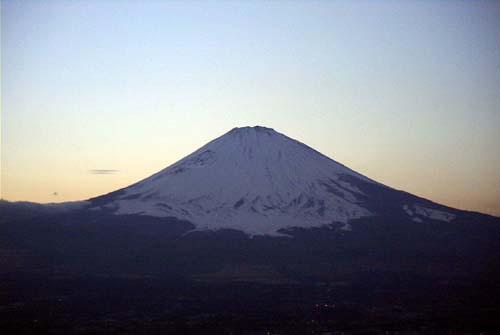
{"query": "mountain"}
pixel 253 233
pixel 261 182
pixel 253 204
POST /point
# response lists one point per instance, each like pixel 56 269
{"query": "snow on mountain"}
pixel 418 212
pixel 251 179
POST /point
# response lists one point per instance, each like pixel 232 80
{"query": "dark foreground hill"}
pixel 91 272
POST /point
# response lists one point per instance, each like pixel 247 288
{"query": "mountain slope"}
pixel 261 182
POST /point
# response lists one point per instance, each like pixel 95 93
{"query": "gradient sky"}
pixel 99 94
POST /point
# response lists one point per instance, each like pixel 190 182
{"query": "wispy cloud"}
pixel 102 171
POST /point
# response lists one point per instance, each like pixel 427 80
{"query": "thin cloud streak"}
pixel 103 171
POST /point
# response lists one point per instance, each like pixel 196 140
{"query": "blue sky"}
pixel 407 93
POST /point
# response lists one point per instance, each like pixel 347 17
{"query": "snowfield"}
pixel 255 180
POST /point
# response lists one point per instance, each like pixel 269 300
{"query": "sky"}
pixel 96 95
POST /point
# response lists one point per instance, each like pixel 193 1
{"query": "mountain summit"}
pixel 261 182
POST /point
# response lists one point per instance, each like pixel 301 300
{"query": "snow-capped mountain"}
pixel 254 205
pixel 263 213
pixel 261 182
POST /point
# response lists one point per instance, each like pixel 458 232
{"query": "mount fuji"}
pixel 254 205
pixel 261 182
